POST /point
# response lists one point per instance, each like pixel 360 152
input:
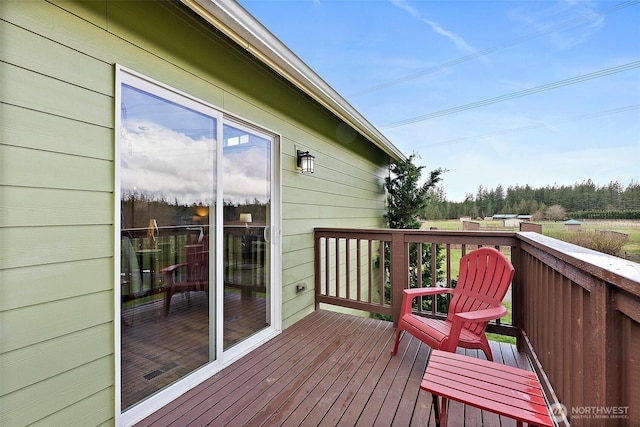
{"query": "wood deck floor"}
pixel 329 369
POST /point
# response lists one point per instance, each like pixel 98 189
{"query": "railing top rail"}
pixel 622 273
pixel 415 231
pixel 332 230
pixel 502 238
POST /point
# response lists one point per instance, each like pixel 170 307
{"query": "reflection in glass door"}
pixel 195 199
pixel 246 236
pixel 167 180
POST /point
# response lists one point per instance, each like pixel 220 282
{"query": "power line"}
pixel 513 95
pixel 536 126
pixel 449 64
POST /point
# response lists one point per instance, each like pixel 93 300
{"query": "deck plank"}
pixel 328 369
pixel 319 400
pixel 208 393
pixel 304 385
pixel 254 387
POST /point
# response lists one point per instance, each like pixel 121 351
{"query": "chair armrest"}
pixel 172 268
pixel 469 317
pixel 483 315
pixel 167 273
pixel 409 294
pixel 417 292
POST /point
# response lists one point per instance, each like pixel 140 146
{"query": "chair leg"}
pixel 167 301
pixel 397 342
pixel 488 354
pixel 486 349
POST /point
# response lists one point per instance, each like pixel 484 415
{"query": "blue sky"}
pixel 497 92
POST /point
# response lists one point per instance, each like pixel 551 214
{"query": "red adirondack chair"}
pixel 195 276
pixel 485 275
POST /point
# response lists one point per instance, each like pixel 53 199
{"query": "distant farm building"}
pixel 511 220
pixel 470 225
pixel 572 225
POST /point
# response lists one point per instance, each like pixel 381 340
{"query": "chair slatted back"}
pixel 483 281
pixel 198 261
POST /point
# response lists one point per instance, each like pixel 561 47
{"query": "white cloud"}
pixel 160 162
pixel 246 176
pixel 436 27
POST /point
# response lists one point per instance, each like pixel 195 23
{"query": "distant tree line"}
pixel 584 200
pixel 605 215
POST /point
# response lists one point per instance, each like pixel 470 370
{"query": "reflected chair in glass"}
pixel 190 276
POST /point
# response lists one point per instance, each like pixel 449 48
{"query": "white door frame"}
pixel 222 358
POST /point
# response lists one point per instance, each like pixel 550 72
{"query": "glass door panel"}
pixel 246 243
pixel 167 180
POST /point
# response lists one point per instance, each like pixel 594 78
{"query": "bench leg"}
pixel 436 409
pixel 440 408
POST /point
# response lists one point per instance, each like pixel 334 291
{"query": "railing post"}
pixel 517 295
pixel 316 269
pixel 399 266
pixel 596 343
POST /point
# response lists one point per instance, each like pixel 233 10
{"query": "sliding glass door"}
pixel 247 218
pixel 195 253
pixel 167 178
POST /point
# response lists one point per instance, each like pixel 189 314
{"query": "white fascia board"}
pixel 240 26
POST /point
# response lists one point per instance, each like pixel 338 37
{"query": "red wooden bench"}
pixel 504 390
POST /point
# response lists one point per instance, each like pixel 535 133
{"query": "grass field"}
pixel 507 321
pixel 552 229
pixel 556 229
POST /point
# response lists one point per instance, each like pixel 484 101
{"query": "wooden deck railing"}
pixel 580 323
pixel 352 267
pixel 576 312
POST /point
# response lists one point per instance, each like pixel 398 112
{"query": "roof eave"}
pixel 241 27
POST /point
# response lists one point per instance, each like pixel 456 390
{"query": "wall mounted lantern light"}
pixel 305 161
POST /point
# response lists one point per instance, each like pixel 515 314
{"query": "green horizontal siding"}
pixel 27 128
pixel 22 206
pixel 26 366
pixel 36 403
pixel 46 169
pixel 20 44
pixel 57 183
pixel 86 412
pixel 59 318
pixel 30 246
pixel 39 284
pixel 32 90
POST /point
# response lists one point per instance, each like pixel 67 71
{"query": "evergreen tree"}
pixel 582 200
pixel 406 198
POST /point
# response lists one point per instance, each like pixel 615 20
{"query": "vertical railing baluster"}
pixel 327 267
pixel 337 267
pixel 370 270
pixel 358 270
pixel 316 268
pixel 381 272
pixel 347 266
